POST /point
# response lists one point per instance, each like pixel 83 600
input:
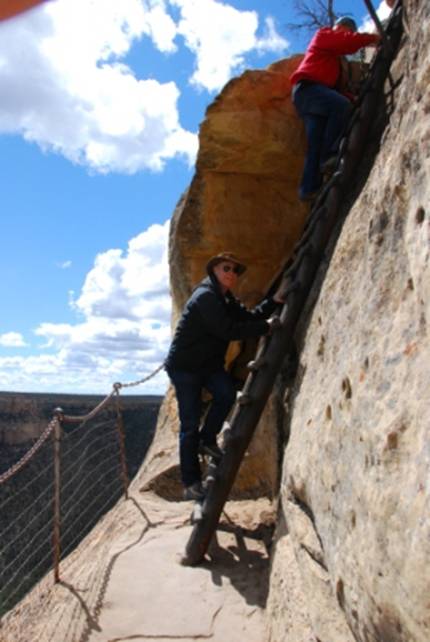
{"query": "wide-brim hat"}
pixel 225 256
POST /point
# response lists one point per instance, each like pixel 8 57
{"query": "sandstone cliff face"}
pixel 243 198
pixel 355 491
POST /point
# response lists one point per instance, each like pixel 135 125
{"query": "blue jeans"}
pixel 325 113
pixel 188 386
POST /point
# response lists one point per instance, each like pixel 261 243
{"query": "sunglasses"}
pixel 231 268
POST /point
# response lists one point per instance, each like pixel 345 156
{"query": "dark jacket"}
pixel 207 325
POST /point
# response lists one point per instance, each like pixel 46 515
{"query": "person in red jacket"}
pixel 323 109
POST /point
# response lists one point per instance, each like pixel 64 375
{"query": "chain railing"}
pixel 61 491
pixel 29 454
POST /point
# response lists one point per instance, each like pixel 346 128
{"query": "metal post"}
pixel 121 438
pixel 56 535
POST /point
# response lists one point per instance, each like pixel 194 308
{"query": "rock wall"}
pixel 355 492
pixel 243 198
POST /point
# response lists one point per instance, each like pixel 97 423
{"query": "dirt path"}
pixel 126 581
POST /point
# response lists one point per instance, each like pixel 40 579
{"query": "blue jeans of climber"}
pixel 325 113
pixel 189 386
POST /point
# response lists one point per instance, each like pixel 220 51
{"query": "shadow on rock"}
pixel 246 568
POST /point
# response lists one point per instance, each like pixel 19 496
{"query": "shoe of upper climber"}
pixel 194 492
pixel 211 450
pixel 329 165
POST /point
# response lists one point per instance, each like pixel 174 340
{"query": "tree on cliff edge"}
pixel 313 14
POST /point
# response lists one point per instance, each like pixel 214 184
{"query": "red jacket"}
pixel 321 63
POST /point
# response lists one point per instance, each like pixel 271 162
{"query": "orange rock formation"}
pixel 247 172
pixel 243 198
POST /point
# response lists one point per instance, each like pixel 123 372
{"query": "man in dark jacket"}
pixel 212 317
pixel 324 110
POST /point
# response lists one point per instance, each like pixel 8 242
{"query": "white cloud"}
pixel 64 85
pixel 12 340
pixel 123 332
pixel 271 39
pixel 131 285
pixel 74 373
pixel 162 28
pixel 220 35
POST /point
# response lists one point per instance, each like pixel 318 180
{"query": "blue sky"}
pixel 99 111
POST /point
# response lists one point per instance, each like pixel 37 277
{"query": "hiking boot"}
pixel 211 450
pixel 194 492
